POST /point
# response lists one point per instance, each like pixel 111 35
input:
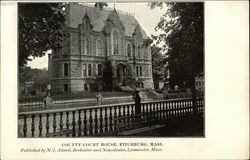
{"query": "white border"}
pixel 227 94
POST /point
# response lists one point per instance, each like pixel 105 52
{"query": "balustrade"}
pixel 105 119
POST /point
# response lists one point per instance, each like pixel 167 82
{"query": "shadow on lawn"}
pixel 186 127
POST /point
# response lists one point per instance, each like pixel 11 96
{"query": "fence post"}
pixel 137 100
pixel 195 109
pixel 47 102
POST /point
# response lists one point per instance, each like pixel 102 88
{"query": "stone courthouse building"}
pixel 95 37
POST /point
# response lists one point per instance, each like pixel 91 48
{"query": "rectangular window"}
pixel 139 52
pixel 66 69
pixel 65 88
pixel 141 71
pixel 84 70
pixel 89 70
pixel 99 69
pixel 142 85
pixel 85 87
pixel 137 71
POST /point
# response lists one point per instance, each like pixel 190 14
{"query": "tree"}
pixel 158 64
pixel 100 5
pixel 36 75
pixel 40 29
pixel 182 26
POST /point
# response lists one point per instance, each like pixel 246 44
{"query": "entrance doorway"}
pixel 121 73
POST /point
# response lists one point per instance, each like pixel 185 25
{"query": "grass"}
pixel 80 95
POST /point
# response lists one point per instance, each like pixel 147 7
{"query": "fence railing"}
pixel 104 119
pixel 57 104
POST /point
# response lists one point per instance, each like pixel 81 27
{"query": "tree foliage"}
pixel 35 75
pixel 158 63
pixel 182 28
pixel 40 29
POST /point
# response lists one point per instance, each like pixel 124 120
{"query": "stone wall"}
pixel 76 68
pixel 74 42
pixel 76 85
pixel 57 85
pixel 55 69
pixel 146 70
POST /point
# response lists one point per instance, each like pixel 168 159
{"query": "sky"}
pixel 148 19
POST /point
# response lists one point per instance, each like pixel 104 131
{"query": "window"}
pixel 129 50
pixel 149 53
pixel 150 72
pixel 85 87
pixel 115 42
pixel 145 54
pixel 87 46
pixel 66 69
pixel 89 70
pixel 99 48
pixel 65 88
pixel 141 85
pixel 99 69
pixel 87 24
pixel 141 71
pixel 84 70
pixel 137 71
pixel 139 52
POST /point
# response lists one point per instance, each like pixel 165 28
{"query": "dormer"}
pixel 86 26
pixel 137 33
pixel 114 21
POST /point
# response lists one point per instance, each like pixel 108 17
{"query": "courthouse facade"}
pixel 94 37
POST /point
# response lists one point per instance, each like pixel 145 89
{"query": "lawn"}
pixel 80 95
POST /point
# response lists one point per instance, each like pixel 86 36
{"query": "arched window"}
pixel 99 48
pixel 129 50
pixel 139 52
pixel 145 53
pixel 87 46
pixel 115 42
pixel 150 72
pixel 149 53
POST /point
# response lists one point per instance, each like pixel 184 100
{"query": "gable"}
pixel 130 24
pixel 98 18
pixel 138 32
pixel 86 23
pixel 115 19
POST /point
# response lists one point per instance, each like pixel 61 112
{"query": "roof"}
pixel 76 12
